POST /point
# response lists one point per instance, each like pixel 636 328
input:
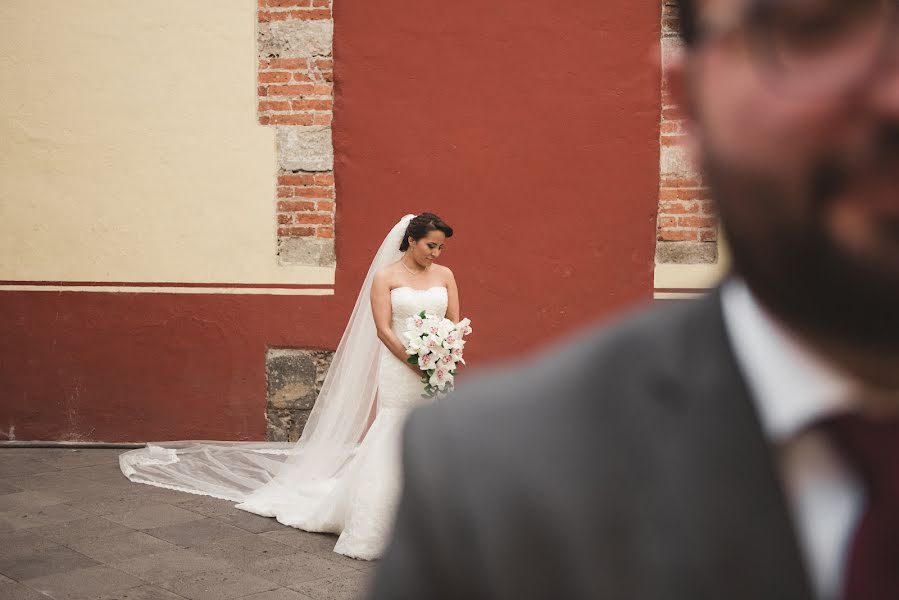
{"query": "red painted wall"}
pixel 532 128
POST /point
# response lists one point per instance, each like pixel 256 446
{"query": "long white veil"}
pixel 294 482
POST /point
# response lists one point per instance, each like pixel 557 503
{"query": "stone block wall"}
pixel 293 380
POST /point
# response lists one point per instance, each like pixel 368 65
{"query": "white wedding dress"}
pixel 342 476
pixel 361 505
pixel 373 489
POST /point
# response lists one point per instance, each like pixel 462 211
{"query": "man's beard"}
pixel 796 267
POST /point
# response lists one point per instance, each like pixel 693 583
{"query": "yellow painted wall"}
pixel 129 147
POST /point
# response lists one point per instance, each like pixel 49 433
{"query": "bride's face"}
pixel 427 250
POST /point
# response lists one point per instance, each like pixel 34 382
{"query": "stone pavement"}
pixel 72 527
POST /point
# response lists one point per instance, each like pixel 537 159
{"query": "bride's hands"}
pixel 418 372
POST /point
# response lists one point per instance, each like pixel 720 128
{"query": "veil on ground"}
pixel 295 482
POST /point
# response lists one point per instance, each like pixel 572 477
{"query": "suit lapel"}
pixel 740 501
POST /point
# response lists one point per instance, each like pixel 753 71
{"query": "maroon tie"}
pixel 872 447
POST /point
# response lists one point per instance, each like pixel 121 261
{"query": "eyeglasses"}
pixel 814 46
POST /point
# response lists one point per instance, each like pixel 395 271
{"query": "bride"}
pixel 343 475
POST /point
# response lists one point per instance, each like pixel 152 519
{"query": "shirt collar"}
pixel 792 388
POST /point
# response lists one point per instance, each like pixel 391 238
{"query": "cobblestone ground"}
pixel 72 527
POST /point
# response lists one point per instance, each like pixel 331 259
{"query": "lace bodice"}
pixel 407 301
pixel 398 387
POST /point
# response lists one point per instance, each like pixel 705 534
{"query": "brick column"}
pixel 687 230
pixel 296 95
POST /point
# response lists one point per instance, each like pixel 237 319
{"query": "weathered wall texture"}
pixel 296 95
pixel 687 227
pixel 131 151
pixel 532 128
pixel 293 380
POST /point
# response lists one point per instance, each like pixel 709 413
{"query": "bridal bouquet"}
pixel 435 345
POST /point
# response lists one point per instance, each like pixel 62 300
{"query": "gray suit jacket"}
pixel 627 464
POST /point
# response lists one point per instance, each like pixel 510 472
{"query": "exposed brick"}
pixel 314 219
pixel 268 16
pixel 285 3
pixel 672 127
pixel 697 222
pixel 673 140
pixel 670 25
pixel 292 90
pixel 295 92
pixel 314 192
pixel 296 179
pixel 305 119
pixel 685 213
pixel 296 231
pixel 667 222
pixel 311 88
pixel 274 77
pixel 686 219
pixel 295 206
pixel 678 208
pixel 676 181
pixel 316 14
pixel 682 194
pixel 289 64
pixel 708 235
pixel 311 15
pixel 312 104
pixel 283 105
pixel 672 113
pixel 678 235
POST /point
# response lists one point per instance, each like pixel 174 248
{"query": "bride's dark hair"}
pixel 421 226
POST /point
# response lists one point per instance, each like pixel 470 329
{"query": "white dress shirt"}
pixel 792 390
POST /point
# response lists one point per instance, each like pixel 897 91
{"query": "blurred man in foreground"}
pixel 745 445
